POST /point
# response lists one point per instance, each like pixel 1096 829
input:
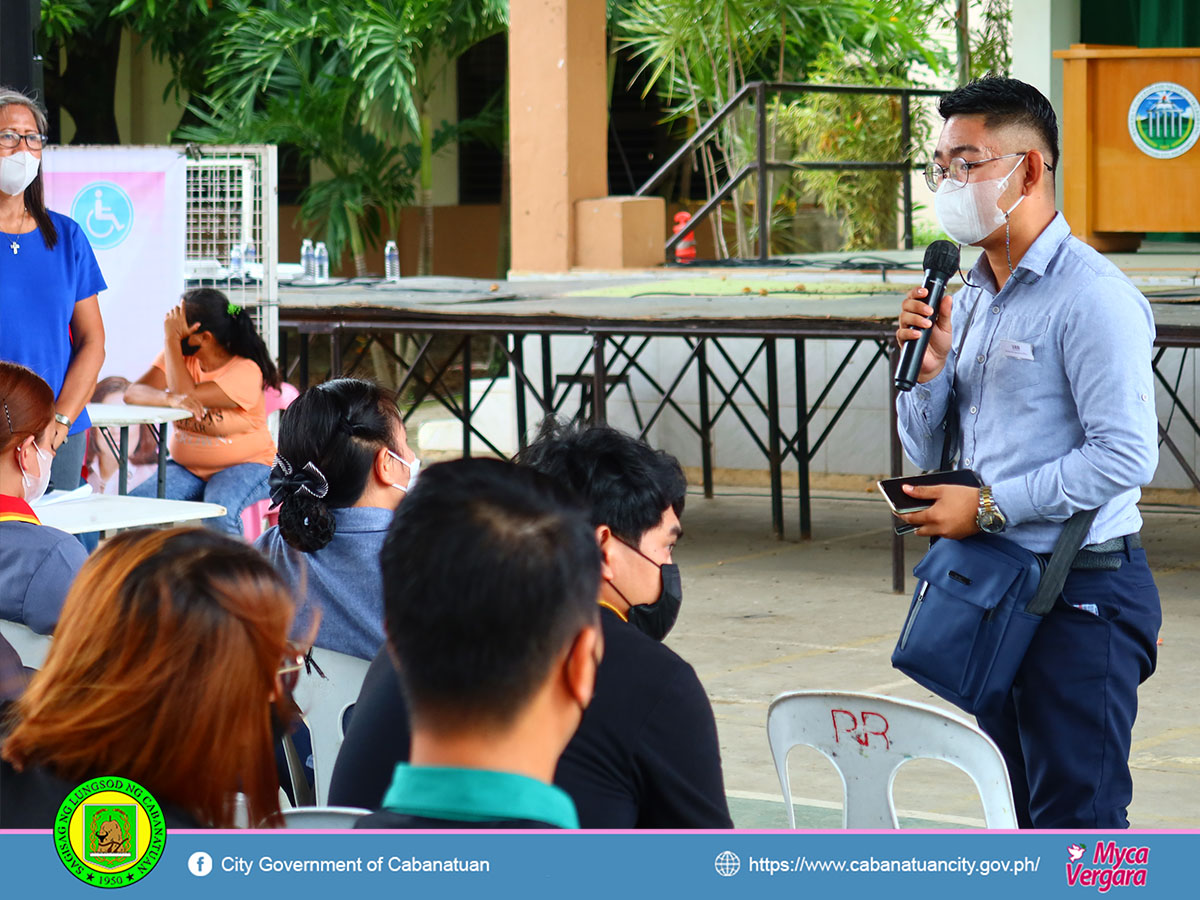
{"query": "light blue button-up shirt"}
pixel 1054 388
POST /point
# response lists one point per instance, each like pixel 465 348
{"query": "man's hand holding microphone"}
pixel 924 336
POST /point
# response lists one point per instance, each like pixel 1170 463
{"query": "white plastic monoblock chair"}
pixel 323 816
pixel 868 737
pixel 30 646
pixel 323 701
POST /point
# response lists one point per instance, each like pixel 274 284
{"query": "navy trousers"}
pixel 1066 729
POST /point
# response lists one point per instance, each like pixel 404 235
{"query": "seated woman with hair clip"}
pixel 215 365
pixel 37 562
pixel 343 467
pixel 167 667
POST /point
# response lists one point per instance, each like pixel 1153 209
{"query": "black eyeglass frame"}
pixel 11 140
pixel 935 173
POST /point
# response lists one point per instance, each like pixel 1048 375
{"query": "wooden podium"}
pixel 1131 161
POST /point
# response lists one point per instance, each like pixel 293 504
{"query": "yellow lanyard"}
pixel 607 605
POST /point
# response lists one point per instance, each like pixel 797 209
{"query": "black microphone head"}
pixel 941 258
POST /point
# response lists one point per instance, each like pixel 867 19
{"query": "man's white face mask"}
pixel 970 213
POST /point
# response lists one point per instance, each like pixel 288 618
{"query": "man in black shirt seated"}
pixel 646 754
pixel 490 576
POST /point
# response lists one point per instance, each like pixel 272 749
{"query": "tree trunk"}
pixel 87 87
pixel 425 197
pixel 357 249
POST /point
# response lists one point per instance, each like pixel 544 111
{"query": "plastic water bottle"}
pixel 250 256
pixel 391 262
pixel 235 261
pixel 322 261
pixel 307 259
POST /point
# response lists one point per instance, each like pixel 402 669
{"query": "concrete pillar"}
pixel 558 120
pixel 1039 27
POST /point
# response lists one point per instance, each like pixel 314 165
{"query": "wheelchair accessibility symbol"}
pixel 105 212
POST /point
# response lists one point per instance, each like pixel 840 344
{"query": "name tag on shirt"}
pixel 1015 349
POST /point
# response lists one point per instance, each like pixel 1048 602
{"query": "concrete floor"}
pixel 762 616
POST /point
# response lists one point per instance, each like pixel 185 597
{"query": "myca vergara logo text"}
pixel 1107 866
pixel 110 832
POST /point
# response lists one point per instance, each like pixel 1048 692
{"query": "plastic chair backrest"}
pixel 255 517
pixel 280 399
pixel 868 737
pixel 323 703
pixel 258 516
pixel 30 646
pixel 323 816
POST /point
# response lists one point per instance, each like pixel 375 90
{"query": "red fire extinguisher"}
pixel 685 250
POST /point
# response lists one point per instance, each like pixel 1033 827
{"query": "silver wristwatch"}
pixel 988 517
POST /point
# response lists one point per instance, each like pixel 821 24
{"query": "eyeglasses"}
pixel 959 170
pixel 289 670
pixel 10 140
pixel 295 662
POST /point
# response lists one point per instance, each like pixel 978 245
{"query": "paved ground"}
pixel 761 617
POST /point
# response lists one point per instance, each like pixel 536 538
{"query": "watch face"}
pixel 991 523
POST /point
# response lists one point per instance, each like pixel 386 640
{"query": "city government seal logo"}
pixel 110 832
pixel 1162 120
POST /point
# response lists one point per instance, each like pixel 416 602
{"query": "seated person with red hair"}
pixel 171 654
pixel 38 562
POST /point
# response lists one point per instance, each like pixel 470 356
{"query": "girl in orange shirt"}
pixel 214 365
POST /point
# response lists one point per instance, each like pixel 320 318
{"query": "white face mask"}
pixel 970 213
pixel 35 485
pixel 413 468
pixel 17 172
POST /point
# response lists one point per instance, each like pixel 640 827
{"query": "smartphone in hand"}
pixel 901 503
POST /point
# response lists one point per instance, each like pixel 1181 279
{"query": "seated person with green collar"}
pixel 491 574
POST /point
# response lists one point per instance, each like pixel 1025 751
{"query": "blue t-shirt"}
pixel 38 292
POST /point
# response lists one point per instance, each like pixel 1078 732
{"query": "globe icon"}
pixel 727 863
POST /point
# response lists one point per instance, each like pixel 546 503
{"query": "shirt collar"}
pixel 1037 258
pixel 15 509
pixel 362 518
pixel 477 795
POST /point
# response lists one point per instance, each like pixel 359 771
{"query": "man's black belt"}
pixel 1107 555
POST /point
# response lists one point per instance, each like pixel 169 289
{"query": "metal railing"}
pixel 761 165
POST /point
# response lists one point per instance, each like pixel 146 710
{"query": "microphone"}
pixel 941 262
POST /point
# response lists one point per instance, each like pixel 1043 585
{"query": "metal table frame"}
pixel 617 345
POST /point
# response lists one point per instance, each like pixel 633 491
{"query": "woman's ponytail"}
pixel 328 440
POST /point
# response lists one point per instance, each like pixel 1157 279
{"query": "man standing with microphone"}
pixel 1045 354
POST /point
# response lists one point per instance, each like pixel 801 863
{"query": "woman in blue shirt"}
pixel 343 467
pixel 49 280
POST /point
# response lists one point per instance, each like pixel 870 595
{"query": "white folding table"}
pixel 105 512
pixel 118 415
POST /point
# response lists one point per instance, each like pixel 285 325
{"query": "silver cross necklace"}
pixel 15 245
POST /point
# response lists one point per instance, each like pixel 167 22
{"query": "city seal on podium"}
pixel 1162 120
pixel 110 832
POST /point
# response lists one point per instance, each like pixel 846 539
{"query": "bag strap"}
pixel 1055 575
pixel 950 424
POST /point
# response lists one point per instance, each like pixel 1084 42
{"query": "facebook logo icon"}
pixel 200 864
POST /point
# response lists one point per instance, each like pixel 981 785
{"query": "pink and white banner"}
pixel 131 204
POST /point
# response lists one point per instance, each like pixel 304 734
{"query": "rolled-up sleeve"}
pixel 1107 345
